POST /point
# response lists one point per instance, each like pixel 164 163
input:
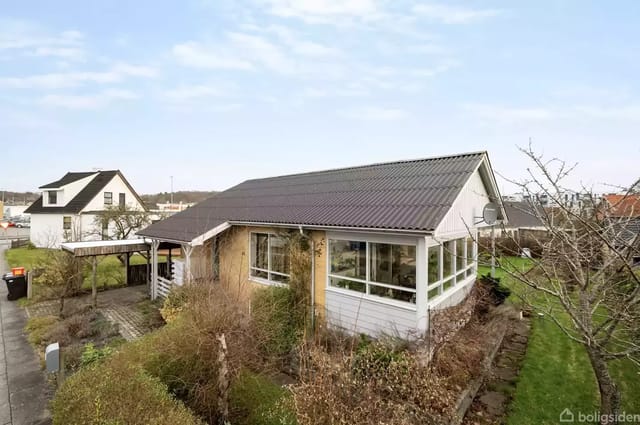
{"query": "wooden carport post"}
pixel 94 282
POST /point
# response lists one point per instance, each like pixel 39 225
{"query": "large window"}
pixel 449 264
pixel 52 196
pixel 269 258
pixel 108 198
pixel 380 269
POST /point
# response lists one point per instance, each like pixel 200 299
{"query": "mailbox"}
pixel 52 357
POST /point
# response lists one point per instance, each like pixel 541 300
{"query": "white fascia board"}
pixel 209 234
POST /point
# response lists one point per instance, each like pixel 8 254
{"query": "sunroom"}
pixel 373 280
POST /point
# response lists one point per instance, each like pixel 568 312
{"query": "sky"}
pixel 214 92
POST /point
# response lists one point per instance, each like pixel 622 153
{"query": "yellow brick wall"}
pixel 235 255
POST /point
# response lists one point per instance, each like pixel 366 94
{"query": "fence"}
pixel 138 273
pixel 19 243
pixel 163 287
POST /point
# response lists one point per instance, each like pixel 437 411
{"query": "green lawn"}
pixel 110 269
pixel 556 373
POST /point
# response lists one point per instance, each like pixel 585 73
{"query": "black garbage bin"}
pixel 17 286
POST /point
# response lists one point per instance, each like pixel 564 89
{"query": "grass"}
pixel 556 373
pixel 110 271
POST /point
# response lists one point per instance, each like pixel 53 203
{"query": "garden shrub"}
pixel 174 303
pixel 91 354
pixel 119 394
pixel 350 388
pixel 184 353
pixel 498 292
pixel 275 318
pixel 257 400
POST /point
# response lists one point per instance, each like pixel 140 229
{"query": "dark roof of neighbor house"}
pixel 405 195
pixel 66 179
pixel 83 197
pixel 522 215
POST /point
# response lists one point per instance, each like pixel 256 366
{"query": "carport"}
pixel 94 249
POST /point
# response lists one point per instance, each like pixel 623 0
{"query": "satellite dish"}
pixel 490 213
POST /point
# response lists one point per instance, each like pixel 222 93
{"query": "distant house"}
pixel 68 207
pixel 623 211
pixel 392 241
pixel 524 220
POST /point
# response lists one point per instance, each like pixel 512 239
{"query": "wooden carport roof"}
pixel 94 248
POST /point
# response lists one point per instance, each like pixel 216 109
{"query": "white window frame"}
pixel 367 239
pixel 439 284
pixel 268 270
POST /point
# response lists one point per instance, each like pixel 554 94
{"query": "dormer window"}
pixel 52 196
pixel 108 198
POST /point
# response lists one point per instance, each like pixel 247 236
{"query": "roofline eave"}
pixel 199 240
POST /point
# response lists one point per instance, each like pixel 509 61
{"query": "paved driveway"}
pixel 23 390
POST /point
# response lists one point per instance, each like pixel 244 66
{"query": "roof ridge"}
pixel 375 164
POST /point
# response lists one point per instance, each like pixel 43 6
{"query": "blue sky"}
pixel 214 92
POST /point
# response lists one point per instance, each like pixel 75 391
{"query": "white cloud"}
pixel 507 114
pixel 93 101
pixel 298 45
pixel 117 73
pixel 565 113
pixel 197 55
pixel 375 113
pixel 188 92
pixel 322 10
pixel 30 39
pixel 243 51
pixel 453 14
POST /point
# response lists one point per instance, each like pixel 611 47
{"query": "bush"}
pixel 256 400
pixel 120 394
pixel 274 316
pixel 91 354
pixel 351 388
pixel 174 303
pixel 184 354
pixel 499 293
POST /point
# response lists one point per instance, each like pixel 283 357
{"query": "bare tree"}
pixel 119 222
pixel 62 274
pixel 585 280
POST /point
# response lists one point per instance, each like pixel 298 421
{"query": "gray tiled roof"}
pixel 522 215
pixel 66 179
pixel 404 195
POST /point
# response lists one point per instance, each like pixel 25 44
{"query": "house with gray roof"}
pixel 389 242
pixel 67 208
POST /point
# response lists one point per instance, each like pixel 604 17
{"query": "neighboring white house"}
pixel 14 210
pixel 67 208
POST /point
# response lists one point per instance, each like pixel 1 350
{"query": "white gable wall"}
pixel 115 186
pixel 465 211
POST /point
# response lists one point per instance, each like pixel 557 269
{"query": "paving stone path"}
pixel 24 393
pixel 491 402
pixel 117 305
